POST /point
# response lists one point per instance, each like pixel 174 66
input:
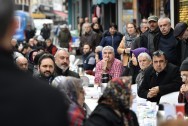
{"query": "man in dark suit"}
pixel 24 100
pixel 160 79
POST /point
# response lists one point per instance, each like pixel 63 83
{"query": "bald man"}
pixel 22 63
pixel 62 64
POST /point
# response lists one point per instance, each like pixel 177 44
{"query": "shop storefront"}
pixel 127 12
pixel 183 11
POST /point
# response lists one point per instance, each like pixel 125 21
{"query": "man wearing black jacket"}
pixel 160 79
pixel 24 100
pixel 166 41
pixel 62 64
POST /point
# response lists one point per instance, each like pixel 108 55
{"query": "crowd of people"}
pixel 39 88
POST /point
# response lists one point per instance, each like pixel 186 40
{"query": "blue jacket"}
pixel 114 41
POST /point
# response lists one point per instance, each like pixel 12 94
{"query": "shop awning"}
pixel 61 14
pixel 98 2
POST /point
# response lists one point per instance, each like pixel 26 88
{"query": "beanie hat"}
pixel 179 28
pixel 137 51
pixel 184 65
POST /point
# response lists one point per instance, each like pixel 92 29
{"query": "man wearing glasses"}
pixel 109 64
pixel 161 78
pixel 183 95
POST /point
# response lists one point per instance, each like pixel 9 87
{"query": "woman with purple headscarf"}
pixel 133 66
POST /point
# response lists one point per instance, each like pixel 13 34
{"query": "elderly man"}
pixel 166 41
pixel 24 100
pixel 62 64
pixel 22 63
pixel 46 68
pixel 109 64
pixel 89 37
pixel 183 95
pixel 160 79
pixel 144 60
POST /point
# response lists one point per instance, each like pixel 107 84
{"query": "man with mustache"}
pixel 146 39
pixel 62 64
pixel 46 68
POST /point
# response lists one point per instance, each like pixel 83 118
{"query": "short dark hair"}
pixel 159 53
pixel 6 15
pixel 113 25
pixel 45 56
pixel 86 43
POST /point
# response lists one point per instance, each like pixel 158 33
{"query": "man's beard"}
pixel 64 68
pixel 46 76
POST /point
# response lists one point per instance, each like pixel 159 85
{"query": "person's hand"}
pixel 127 50
pixel 155 89
pixel 153 92
pixel 184 88
pixel 104 63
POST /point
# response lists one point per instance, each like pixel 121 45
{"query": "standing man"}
pixel 62 64
pixel 45 32
pixel 166 41
pixel 64 37
pixel 24 100
pixel 181 34
pixel 112 38
pixel 90 37
pixel 46 68
pixel 160 79
pixel 109 64
pixel 146 39
pixel 88 57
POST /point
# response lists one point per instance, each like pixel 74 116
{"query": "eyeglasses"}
pixel 158 53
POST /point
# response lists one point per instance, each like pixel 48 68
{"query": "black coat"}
pixel 26 101
pixel 103 115
pixel 168 80
pixel 68 72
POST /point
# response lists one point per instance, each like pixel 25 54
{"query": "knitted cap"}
pixel 137 51
pixel 179 28
pixel 184 65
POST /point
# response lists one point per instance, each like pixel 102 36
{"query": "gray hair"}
pixel 108 48
pixel 164 18
pixel 144 54
pixel 62 49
